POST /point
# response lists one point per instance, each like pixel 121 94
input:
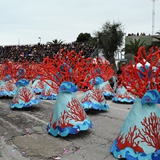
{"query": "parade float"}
pixel 68 70
pixel 139 137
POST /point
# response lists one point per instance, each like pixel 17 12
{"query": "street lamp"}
pixel 39 40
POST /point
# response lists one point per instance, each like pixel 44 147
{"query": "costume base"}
pixel 45 97
pixel 107 89
pixel 139 137
pixel 94 99
pixel 68 116
pixel 38 86
pixel 24 97
pixel 48 92
pixel 122 95
pixel 7 88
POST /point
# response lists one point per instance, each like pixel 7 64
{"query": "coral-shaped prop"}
pixel 72 67
pixel 143 75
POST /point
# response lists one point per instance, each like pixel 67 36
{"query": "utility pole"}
pixel 18 41
pixel 153 16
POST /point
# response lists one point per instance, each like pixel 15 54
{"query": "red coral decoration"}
pixel 76 112
pixel 125 95
pixel 72 67
pixel 86 98
pixel 13 69
pixel 151 131
pixel 107 87
pixel 63 120
pixel 137 81
pixel 97 95
pixel 129 140
pixel 50 92
pixel 39 84
pixel 149 134
pixel 9 86
pixel 26 95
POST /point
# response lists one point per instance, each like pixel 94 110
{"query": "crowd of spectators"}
pixel 132 34
pixel 39 51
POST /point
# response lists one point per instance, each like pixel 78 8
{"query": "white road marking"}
pixel 35 118
pixel 11 125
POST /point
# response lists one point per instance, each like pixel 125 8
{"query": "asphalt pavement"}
pixel 23 133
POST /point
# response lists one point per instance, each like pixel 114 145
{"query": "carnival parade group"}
pixel 60 76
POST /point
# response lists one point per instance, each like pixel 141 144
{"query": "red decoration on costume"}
pixel 72 67
pixel 151 131
pixel 39 84
pixel 86 98
pixel 149 134
pixel 76 112
pixel 129 140
pixel 107 87
pixel 96 95
pixel 125 95
pixel 9 86
pixel 136 84
pixel 62 120
pixel 25 95
pixel 13 69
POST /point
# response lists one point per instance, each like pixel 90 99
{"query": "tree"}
pixel 110 39
pixel 157 41
pixel 133 46
pixel 83 37
pixel 56 42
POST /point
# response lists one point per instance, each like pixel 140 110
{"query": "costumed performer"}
pixel 68 116
pixel 139 137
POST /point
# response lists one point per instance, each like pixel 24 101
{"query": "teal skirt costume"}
pixel 48 92
pixel 106 89
pixel 24 96
pixel 7 87
pixel 38 86
pixel 122 95
pixel 94 98
pixel 68 116
pixel 139 137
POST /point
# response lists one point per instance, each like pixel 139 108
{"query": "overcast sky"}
pixel 24 21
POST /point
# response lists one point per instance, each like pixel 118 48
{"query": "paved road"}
pixel 23 133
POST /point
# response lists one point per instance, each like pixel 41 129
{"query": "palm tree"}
pixel 55 42
pixel 157 42
pixel 133 47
